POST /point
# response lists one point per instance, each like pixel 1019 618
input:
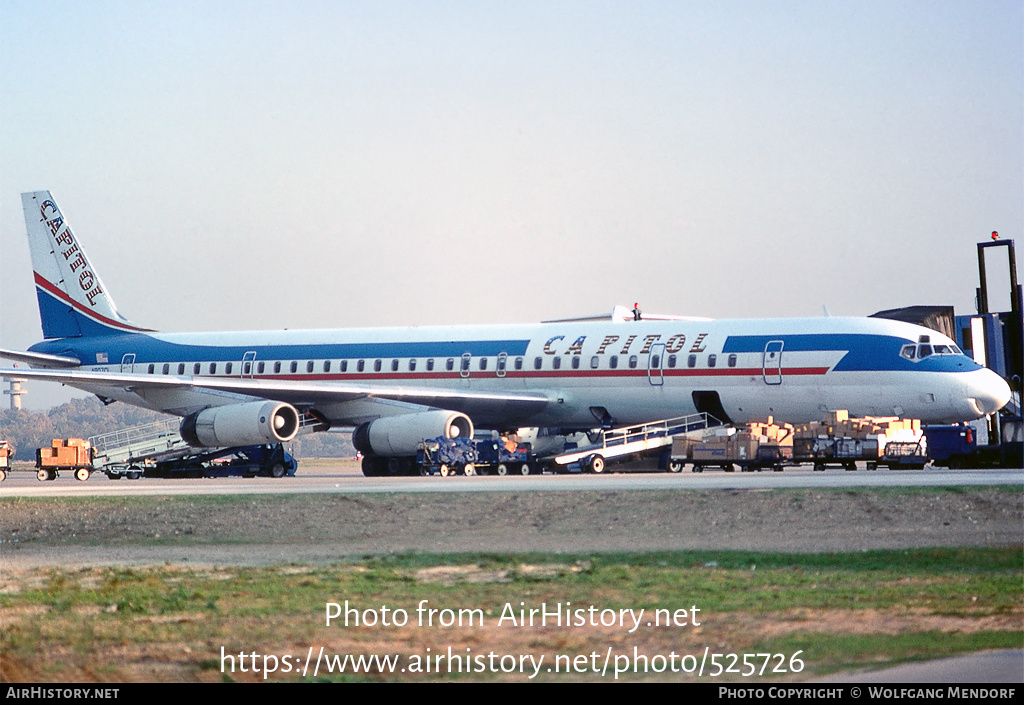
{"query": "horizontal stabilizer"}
pixel 40 359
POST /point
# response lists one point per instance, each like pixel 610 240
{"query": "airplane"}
pixel 398 386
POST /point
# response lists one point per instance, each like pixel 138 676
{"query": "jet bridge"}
pixel 618 443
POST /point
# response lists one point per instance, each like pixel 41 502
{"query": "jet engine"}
pixel 399 435
pixel 246 424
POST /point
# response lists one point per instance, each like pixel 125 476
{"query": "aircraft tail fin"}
pixel 73 302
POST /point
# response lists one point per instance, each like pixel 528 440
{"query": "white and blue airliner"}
pixel 398 386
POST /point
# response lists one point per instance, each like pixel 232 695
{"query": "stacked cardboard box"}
pixel 866 435
pixel 73 452
pixel 746 443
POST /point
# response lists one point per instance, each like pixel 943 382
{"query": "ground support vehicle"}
pixel 73 454
pixel 268 460
pixel 754 446
pixel 628 442
pixel 446 456
pixel 158 450
pixel 843 441
pixel 956 446
pixel 6 452
pixel 504 457
pixel 903 455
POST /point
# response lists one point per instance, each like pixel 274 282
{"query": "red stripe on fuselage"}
pixel 521 374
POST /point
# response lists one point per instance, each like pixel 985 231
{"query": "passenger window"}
pixel 181 368
pixel 309 367
pixel 260 367
pixel 213 368
pixel 430 365
pixel 361 365
pixel 376 365
pixel 277 368
pixel 294 367
pixel 613 362
pixel 394 365
pixel 167 368
pixel 556 363
pixel 712 360
pixel 632 361
pixel 483 363
pixel 344 365
pixel 412 365
pixel 227 369
pixel 691 361
pixel 151 369
pixel 732 360
pixel 538 363
pixel 671 360
pixel 519 363
pixel 450 364
pixel 195 369
pixel 595 362
pixel 327 365
pixel 655 361
pixel 575 362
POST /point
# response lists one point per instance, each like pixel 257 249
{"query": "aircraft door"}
pixel 247 363
pixel 128 362
pixel 655 365
pixel 772 362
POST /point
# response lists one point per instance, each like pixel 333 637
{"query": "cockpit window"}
pixel 923 350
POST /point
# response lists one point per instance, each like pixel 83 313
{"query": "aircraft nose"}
pixel 987 392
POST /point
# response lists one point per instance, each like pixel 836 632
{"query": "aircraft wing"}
pixel 304 395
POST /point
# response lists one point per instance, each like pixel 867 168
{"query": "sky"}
pixel 248 165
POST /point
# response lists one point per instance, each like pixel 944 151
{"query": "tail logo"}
pixel 64 241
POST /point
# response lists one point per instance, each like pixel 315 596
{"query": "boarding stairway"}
pixel 620 442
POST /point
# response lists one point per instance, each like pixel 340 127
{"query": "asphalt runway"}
pixel 345 478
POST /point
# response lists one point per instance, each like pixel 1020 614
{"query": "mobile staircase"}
pixel 616 444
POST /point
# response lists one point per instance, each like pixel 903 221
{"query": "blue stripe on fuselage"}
pixel 865 352
pixel 149 349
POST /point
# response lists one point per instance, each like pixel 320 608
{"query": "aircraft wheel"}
pixel 82 474
pixel 675 466
pixel 371 466
pixel 394 466
pixel 596 464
